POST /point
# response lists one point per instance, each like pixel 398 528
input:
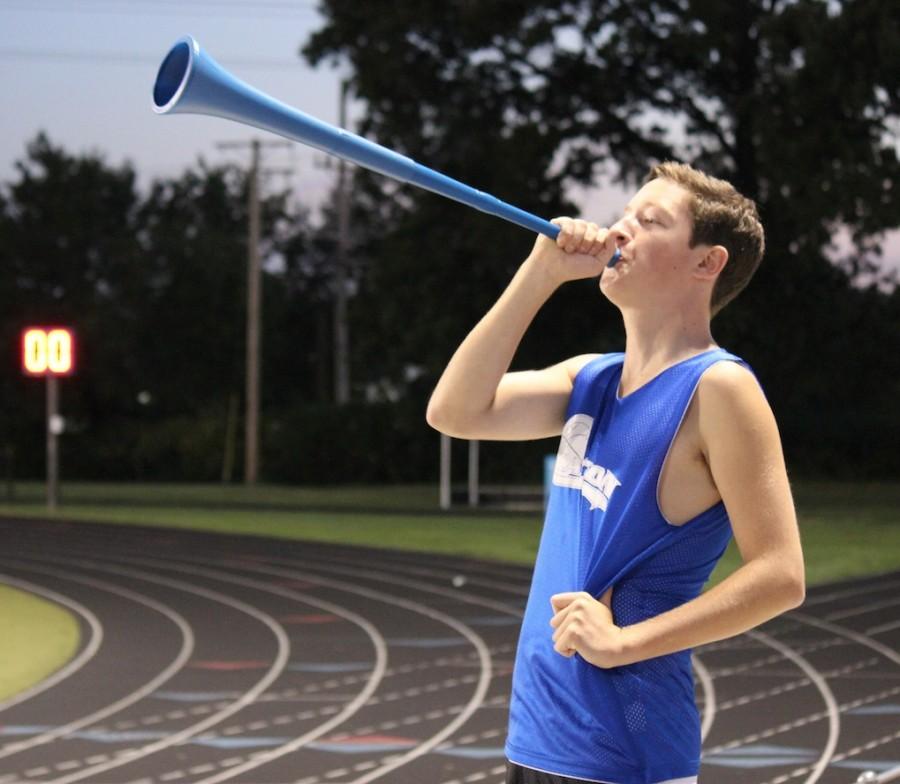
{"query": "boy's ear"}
pixel 713 262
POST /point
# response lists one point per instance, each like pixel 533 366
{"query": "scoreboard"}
pixel 48 351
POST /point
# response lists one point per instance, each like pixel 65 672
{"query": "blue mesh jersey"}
pixel 636 724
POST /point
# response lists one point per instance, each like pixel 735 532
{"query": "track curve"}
pixel 326 664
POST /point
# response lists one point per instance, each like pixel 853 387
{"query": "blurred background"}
pixel 132 228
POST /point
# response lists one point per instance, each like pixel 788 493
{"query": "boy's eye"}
pixel 647 219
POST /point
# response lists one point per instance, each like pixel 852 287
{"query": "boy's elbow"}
pixel 444 420
pixel 798 590
pixel 437 416
pixel 432 417
pixel 434 414
pixel 793 587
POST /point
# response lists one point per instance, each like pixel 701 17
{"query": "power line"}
pixel 140 8
pixel 241 4
pixel 295 6
pixel 129 58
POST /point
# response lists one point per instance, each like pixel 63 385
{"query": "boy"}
pixel 666 450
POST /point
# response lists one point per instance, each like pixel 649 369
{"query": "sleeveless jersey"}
pixel 635 724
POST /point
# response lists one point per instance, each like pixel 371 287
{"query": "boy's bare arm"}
pixel 476 397
pixel 742 446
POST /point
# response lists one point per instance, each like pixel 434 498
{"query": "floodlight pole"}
pixel 52 442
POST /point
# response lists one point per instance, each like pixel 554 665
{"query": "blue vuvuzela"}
pixel 191 82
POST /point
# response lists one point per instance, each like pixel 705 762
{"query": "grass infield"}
pixel 39 637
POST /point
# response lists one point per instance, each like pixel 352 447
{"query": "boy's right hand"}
pixel 581 250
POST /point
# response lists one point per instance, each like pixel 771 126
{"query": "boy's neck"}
pixel 655 340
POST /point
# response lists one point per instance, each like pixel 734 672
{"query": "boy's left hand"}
pixel 584 625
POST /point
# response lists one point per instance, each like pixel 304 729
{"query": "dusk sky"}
pixel 83 72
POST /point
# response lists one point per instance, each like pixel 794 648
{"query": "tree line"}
pixel 521 100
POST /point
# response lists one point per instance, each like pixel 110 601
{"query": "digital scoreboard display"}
pixel 48 351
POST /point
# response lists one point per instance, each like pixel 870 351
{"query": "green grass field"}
pixel 847 529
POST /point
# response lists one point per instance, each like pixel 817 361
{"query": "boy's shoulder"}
pixel 728 378
pixel 730 402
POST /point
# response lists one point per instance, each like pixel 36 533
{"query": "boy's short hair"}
pixel 721 216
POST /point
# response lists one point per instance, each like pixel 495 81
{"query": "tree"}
pixel 154 285
pixel 522 99
pixel 67 250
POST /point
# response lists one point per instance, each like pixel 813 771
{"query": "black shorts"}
pixel 516 774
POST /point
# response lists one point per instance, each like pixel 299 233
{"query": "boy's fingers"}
pixel 565 230
pixel 590 237
pixel 600 242
pixel 560 601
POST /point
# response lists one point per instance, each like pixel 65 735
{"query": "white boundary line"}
pixel 516 589
pixel 882 628
pixel 478 643
pixel 848 592
pixel 842 631
pixel 816 600
pixel 834 720
pixel 187 647
pixel 709 695
pixel 702 671
pixel 349 710
pixel 249 696
pixel 83 657
pixel 866 608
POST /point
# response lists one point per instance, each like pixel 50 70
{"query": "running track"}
pixel 207 658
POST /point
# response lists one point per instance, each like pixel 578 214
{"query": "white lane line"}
pixel 709 695
pixel 847 593
pixel 372 683
pixel 477 642
pixel 499 770
pixel 447 573
pixel 83 657
pixel 721 672
pixel 248 697
pixel 311 693
pixel 889 775
pixel 834 720
pixel 184 653
pixel 865 609
pixel 400 560
pixel 776 691
pixel 883 627
pixel 393 579
pixel 708 716
pixel 849 634
pixel 803 721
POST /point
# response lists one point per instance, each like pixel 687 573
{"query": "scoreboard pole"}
pixel 49 352
pixel 52 443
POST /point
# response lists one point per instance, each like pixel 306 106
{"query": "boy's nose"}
pixel 621 235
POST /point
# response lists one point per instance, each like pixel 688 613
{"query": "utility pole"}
pixel 254 310
pixel 254 315
pixel 341 329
